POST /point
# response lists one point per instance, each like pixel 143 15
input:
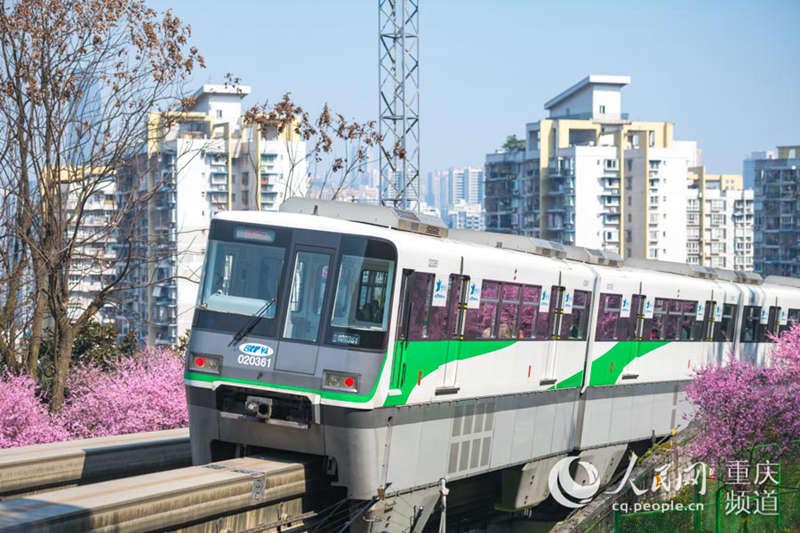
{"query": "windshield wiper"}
pixel 250 325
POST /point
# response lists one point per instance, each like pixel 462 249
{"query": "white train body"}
pixel 485 352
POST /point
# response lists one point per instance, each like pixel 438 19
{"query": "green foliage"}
pixel 513 144
pixel 94 343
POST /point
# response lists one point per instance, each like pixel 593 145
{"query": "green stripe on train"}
pixel 607 368
pixel 422 358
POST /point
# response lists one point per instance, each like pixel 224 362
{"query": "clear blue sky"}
pixel 725 72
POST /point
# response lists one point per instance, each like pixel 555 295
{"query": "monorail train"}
pixel 405 353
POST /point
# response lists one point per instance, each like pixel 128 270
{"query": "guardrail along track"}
pixel 249 492
pixel 29 469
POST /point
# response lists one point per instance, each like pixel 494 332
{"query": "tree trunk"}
pixel 37 321
pixel 63 356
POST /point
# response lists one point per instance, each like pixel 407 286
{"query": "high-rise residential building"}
pixel 463 215
pixel 466 184
pixel 776 187
pixel 511 201
pixel 443 189
pixel 602 180
pixel 93 259
pixel 719 231
pixel 202 160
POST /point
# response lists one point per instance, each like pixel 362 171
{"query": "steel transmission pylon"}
pixel 398 83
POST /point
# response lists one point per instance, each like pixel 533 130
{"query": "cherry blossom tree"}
pixel 78 82
pixel 747 413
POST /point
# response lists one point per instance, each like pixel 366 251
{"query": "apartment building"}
pixel 93 260
pixel 776 178
pixel 719 221
pixel 443 189
pixel 463 215
pixel 590 176
pixel 200 161
pixel 511 193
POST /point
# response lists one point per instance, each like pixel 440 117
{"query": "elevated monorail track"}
pixel 257 492
pixel 31 469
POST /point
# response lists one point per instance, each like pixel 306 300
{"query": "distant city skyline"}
pixel 722 72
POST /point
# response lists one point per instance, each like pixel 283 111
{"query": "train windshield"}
pixel 308 286
pixel 242 277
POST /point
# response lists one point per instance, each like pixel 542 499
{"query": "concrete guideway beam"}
pixel 165 499
pixel 30 469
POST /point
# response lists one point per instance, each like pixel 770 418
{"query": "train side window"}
pixel 455 297
pixel 792 318
pixel 529 310
pixel 627 327
pixel 420 292
pixel 509 309
pixel 700 327
pixel 654 327
pixel 772 325
pixel 546 321
pixel 724 329
pixel 751 326
pixel 574 324
pixel 687 320
pixel 437 317
pixel 480 323
pixel 608 319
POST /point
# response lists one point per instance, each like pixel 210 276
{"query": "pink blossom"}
pixel 24 417
pixel 140 393
pixel 748 413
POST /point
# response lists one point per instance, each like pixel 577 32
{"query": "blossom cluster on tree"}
pixel 143 392
pixel 746 412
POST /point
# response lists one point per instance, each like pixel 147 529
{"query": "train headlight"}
pixel 204 363
pixel 339 381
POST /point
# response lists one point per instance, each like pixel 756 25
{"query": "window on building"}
pixel 602 109
pixel 219 113
pixel 652 139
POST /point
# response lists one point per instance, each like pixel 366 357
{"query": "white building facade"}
pixel 463 215
pixel 721 235
pixel 591 177
pixel 202 161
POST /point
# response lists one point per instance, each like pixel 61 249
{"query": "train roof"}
pixel 409 221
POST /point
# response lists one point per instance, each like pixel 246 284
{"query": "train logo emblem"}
pixel 254 354
pixel 566 490
pixel 251 348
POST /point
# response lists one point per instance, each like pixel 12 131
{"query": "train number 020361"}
pixel 254 360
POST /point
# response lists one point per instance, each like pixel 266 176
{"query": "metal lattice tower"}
pixel 398 84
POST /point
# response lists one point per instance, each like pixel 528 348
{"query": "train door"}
pixel 456 306
pixel 407 289
pixel 641 309
pixel 555 310
pixel 306 297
